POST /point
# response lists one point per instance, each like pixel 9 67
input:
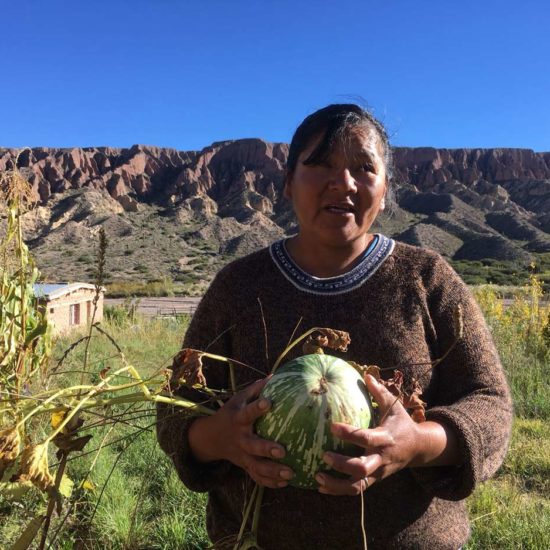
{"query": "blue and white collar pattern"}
pixel 374 256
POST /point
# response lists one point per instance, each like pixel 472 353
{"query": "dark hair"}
pixel 333 123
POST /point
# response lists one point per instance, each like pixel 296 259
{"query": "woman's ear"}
pixel 382 204
pixel 287 191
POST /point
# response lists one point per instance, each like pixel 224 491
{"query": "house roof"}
pixel 56 290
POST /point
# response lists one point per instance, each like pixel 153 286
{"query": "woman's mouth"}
pixel 340 209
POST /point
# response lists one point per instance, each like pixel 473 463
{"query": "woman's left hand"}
pixel 396 443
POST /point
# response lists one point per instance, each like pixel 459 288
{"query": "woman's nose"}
pixel 343 178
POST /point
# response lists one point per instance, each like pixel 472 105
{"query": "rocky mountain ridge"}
pixel 183 213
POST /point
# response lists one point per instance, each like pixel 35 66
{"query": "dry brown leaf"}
pixel 326 338
pixel 419 415
pixel 336 339
pixel 10 445
pixel 34 467
pixel 395 384
pixel 373 370
pixel 187 368
pixel 103 372
pixel 408 396
pixel 70 443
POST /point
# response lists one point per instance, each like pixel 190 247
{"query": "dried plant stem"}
pixel 257 509
pixel 363 530
pixel 52 501
pixel 246 515
pixel 291 345
pixel 265 333
pixel 232 378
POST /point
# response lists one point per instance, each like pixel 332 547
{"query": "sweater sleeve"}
pixel 469 391
pixel 208 331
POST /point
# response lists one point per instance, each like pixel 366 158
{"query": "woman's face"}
pixel 336 202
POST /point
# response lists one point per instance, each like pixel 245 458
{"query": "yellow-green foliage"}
pixel 526 316
pixel 521 331
pixel 26 336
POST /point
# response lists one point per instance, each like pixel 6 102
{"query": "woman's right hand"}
pixel 229 435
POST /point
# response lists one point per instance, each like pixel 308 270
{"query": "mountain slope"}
pixel 183 214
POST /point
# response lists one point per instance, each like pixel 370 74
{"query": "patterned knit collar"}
pixel 374 256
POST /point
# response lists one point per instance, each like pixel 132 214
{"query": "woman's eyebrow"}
pixel 363 155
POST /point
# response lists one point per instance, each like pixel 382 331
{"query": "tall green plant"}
pixel 26 333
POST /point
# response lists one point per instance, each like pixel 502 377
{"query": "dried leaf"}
pixel 413 403
pixel 103 372
pixel 34 466
pixel 187 368
pixel 10 445
pixel 335 339
pixel 69 443
pixel 326 338
pixel 74 424
pixel 408 394
pixel 419 415
pixel 373 370
pixel 395 384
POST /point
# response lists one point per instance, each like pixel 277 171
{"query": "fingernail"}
pixel 320 479
pixel 286 474
pixel 282 484
pixel 263 404
pixel 327 458
pixel 276 452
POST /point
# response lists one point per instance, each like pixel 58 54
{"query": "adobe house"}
pixel 69 305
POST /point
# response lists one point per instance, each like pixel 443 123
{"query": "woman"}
pixel 397 302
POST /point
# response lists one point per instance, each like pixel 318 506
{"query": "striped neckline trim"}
pixel 374 256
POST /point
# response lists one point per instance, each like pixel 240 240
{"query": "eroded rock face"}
pixel 427 167
pixel 463 202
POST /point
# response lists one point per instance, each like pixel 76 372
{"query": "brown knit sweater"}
pixel 401 315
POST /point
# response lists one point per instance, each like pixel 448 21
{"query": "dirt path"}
pixel 153 307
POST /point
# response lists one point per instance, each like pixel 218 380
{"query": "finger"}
pixel 355 467
pixel 342 487
pixel 368 439
pixel 269 473
pixel 381 394
pixel 252 411
pixel 253 391
pixel 268 482
pixel 257 446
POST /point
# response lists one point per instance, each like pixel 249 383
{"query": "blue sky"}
pixel 186 73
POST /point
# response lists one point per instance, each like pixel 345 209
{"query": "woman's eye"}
pixel 367 167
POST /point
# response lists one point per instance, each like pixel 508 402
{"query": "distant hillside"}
pixel 183 214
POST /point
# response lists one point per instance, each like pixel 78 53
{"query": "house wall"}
pixel 60 316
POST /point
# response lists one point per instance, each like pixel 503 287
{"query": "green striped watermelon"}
pixel 307 395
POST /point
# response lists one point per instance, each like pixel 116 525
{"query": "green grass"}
pixel 502 272
pixel 512 511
